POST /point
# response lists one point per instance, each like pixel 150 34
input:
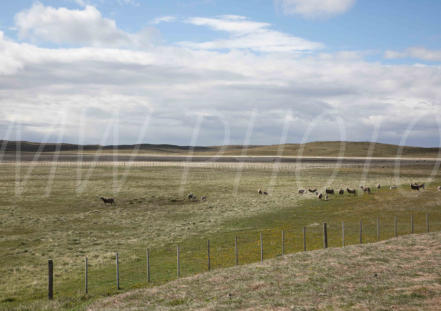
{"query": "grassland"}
pixel 399 274
pixel 70 222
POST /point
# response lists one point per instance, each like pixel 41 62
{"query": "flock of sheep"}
pixel 320 195
pixel 324 196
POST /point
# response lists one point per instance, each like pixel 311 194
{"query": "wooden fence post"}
pixel 378 228
pixel 395 226
pixel 411 223
pixel 325 235
pixel 86 271
pixel 343 233
pixel 427 223
pixel 304 239
pixel 283 242
pixel 148 265
pixel 261 247
pixel 117 272
pixel 208 255
pixel 361 232
pixel 178 264
pixel 236 250
pixel 50 265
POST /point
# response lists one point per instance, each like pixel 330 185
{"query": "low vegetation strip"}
pixel 399 274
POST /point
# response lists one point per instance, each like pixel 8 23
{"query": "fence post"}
pixel 411 223
pixel 86 281
pixel 117 272
pixel 261 247
pixel 304 239
pixel 236 250
pixel 208 255
pixel 283 242
pixel 343 233
pixel 178 264
pixel 378 228
pixel 325 235
pixel 148 265
pixel 361 232
pixel 427 223
pixel 50 265
pixel 395 226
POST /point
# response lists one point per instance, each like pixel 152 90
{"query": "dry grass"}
pixel 398 274
pixel 151 211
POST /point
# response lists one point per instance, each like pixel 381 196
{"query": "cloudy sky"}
pixel 210 72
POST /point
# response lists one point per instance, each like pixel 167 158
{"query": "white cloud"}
pixel 84 27
pixel 415 52
pixel 247 34
pixel 315 8
pixel 163 19
pixel 177 83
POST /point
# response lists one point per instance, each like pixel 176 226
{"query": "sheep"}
pixel 110 201
pixel 367 189
pixel 353 191
pixel 341 191
pixel 415 187
pixel 378 186
pixel 260 191
pixel 265 193
pixel 329 191
pixel 203 198
pixel 302 191
pixel 320 196
pixel 190 196
pixel 312 190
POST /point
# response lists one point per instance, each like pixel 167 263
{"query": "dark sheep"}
pixel 110 201
pixel 352 191
pixel 341 191
pixel 330 191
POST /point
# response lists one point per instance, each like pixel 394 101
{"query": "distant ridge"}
pixel 317 149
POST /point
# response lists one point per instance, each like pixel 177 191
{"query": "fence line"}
pixel 188 257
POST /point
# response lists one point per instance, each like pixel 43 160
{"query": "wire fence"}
pixel 141 267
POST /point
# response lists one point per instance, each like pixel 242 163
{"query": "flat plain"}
pixel 54 212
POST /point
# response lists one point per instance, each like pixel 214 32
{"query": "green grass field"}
pixel 69 222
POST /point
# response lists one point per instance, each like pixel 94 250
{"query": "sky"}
pixel 212 72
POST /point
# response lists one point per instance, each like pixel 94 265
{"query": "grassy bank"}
pixel 399 274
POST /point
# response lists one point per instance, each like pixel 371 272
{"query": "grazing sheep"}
pixel 352 191
pixel 320 196
pixel 341 191
pixel 190 196
pixel 265 193
pixel 110 201
pixel 367 189
pixel 312 190
pixel 302 191
pixel 378 186
pixel 329 191
pixel 260 191
pixel 203 198
pixel 415 187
